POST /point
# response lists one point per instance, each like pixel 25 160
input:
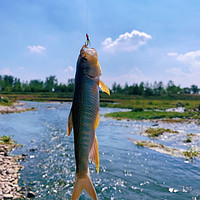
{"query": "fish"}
pixel 84 119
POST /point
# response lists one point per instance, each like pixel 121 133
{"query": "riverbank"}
pixel 14 108
pixel 189 154
pixel 9 170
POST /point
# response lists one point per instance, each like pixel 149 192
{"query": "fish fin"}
pixel 103 87
pixel 69 123
pixel 83 184
pixel 97 121
pixel 94 153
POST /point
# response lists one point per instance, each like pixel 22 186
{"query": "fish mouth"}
pixel 91 51
pixel 89 56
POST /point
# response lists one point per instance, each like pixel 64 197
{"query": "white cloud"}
pixel 126 42
pixel 172 54
pixel 69 69
pixel 192 59
pixel 5 71
pixel 36 49
pixel 191 62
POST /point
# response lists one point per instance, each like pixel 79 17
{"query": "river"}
pixel 127 171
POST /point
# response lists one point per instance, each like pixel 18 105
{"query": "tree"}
pixel 70 85
pixel 141 88
pixel 135 89
pixel 119 89
pixel 158 88
pixel 148 91
pixel 114 87
pixel 126 88
pixel 1 83
pixel 50 83
pixel 16 85
pixel 187 90
pixel 36 86
pixel 8 83
pixel 25 87
pixel 172 88
pixel 194 89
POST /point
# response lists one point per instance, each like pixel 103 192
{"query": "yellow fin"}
pixel 104 88
pixel 83 184
pixel 97 121
pixel 69 123
pixel 94 153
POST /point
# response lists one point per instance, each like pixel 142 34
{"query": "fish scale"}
pixel 85 107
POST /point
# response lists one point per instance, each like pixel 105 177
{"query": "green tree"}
pixel 172 88
pixel 141 88
pixel 36 86
pixel 194 89
pixel 50 83
pixel 148 91
pixel 8 83
pixel 114 87
pixel 17 85
pixel 158 88
pixel 25 87
pixel 70 85
pixel 187 90
pixel 1 83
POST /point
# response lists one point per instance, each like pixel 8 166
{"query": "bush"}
pixel 139 109
pixel 6 139
pixel 191 153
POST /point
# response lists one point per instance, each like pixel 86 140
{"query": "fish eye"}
pixel 83 59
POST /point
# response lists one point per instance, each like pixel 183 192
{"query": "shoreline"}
pixel 17 107
pixel 9 173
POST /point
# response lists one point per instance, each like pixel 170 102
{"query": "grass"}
pixel 158 147
pixel 152 104
pixel 143 107
pixel 191 153
pixel 150 115
pixel 4 101
pixel 188 140
pixel 143 143
pixel 6 140
pixel 155 132
pixel 155 109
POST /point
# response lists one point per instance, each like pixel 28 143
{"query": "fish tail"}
pixel 83 184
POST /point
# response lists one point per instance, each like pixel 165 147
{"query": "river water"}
pixel 126 171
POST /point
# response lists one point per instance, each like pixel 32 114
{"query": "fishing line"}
pixel 87 36
pixel 86 26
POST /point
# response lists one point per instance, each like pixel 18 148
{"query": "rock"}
pixel 10 171
pixel 31 194
pixel 156 124
pixel 33 149
pixel 9 174
pixel 8 196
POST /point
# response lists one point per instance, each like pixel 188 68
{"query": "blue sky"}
pixel 136 40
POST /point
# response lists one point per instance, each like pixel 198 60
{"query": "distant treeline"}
pixel 11 84
pixel 157 88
